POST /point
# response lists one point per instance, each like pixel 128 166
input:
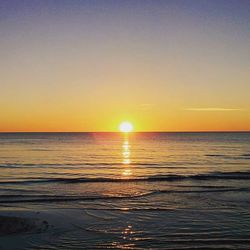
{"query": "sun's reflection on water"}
pixel 126 158
pixel 127 172
pixel 127 232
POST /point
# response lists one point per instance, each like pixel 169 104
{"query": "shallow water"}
pixel 143 190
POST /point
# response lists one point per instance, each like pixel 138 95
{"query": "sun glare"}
pixel 126 127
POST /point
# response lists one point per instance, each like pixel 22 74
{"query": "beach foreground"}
pixel 92 229
pixel 27 229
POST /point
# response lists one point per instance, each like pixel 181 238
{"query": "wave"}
pixel 206 191
pixel 245 155
pixel 172 177
pixel 215 155
pixel 168 164
pixel 13 165
pixel 232 157
pixel 64 198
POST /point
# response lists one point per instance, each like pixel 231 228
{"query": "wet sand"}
pixel 17 226
pixel 30 229
pixel 13 225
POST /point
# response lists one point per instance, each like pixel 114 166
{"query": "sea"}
pixel 132 191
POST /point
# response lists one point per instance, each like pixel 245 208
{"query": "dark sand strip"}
pixel 15 225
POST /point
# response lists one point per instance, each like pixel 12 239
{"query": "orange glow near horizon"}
pixel 173 121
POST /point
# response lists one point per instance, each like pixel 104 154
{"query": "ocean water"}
pixel 137 191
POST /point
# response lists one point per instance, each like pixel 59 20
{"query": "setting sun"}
pixel 126 127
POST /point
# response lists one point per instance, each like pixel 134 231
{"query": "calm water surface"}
pixel 143 190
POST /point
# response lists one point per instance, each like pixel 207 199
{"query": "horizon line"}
pixel 161 131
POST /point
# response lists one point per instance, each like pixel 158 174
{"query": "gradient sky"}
pixel 172 65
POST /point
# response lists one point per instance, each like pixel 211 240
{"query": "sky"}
pixel 172 65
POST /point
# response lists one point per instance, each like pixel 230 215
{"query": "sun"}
pixel 126 127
